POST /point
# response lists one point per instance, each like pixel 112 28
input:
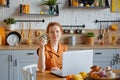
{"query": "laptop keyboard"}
pixel 59 72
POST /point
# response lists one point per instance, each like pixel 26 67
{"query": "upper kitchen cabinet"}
pixel 4 3
pixel 88 3
pixel 26 9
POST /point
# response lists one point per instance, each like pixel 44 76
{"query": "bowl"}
pixel 104 78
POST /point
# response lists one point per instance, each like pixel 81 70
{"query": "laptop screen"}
pixel 77 61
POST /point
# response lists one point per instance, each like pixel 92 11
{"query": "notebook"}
pixel 74 62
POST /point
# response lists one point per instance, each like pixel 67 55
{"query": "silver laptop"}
pixel 74 62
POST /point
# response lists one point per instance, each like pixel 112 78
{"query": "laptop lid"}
pixel 76 61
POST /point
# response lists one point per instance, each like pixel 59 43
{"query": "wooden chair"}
pixel 28 72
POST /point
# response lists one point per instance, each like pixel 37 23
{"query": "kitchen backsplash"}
pixel 80 38
pixel 67 16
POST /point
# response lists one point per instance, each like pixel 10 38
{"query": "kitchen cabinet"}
pixel 103 57
pixel 12 62
pixel 4 3
pixel 22 58
pixel 117 59
pixel 6 67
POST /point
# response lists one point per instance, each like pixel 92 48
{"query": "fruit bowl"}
pixel 105 79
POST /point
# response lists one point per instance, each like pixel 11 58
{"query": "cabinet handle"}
pixel 10 58
pixel 15 62
pixel 117 56
pixel 30 53
pixel 98 53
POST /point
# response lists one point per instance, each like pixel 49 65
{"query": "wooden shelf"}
pixel 31 20
pixel 40 14
pixel 56 11
pixel 90 6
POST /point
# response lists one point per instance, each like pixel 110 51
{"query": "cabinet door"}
pixel 6 66
pixel 117 65
pixel 103 57
pixel 21 59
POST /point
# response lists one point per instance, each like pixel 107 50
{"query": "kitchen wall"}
pixel 67 16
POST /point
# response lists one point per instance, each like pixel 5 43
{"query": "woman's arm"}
pixel 41 57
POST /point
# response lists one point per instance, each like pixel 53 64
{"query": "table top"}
pixel 47 76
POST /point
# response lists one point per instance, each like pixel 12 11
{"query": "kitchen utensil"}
pixel 29 31
pixel 22 30
pixel 106 35
pixel 107 3
pixel 78 30
pixel 13 38
pixel 100 32
pixel 3 35
pixel 37 33
pixel 72 40
pixel 103 31
pixel 66 30
pixel 90 2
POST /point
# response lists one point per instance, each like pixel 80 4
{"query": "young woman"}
pixel 50 55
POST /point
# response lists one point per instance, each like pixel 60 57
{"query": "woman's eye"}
pixel 52 32
pixel 57 31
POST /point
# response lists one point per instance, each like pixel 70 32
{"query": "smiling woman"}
pixel 50 54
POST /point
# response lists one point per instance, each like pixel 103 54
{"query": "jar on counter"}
pixel 107 37
pixel 2 2
pixel 72 40
pixel 26 9
pixel 113 40
pixel 96 3
pixel 75 3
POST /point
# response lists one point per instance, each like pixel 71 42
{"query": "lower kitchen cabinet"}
pixel 21 59
pixel 103 57
pixel 117 59
pixel 6 68
pixel 12 62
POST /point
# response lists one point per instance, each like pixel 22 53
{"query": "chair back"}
pixel 28 71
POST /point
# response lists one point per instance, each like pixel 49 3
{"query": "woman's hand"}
pixel 55 68
pixel 41 43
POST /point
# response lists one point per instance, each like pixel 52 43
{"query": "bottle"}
pixel 106 37
pixel 96 3
pixel 100 3
pixel 70 3
pixel 113 41
pixel 75 3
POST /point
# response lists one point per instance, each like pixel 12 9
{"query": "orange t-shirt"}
pixel 54 59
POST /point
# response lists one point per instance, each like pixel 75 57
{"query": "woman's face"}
pixel 54 33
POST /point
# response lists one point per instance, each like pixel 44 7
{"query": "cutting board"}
pixel 3 36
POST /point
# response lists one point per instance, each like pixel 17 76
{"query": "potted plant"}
pixel 51 4
pixel 90 38
pixel 10 23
